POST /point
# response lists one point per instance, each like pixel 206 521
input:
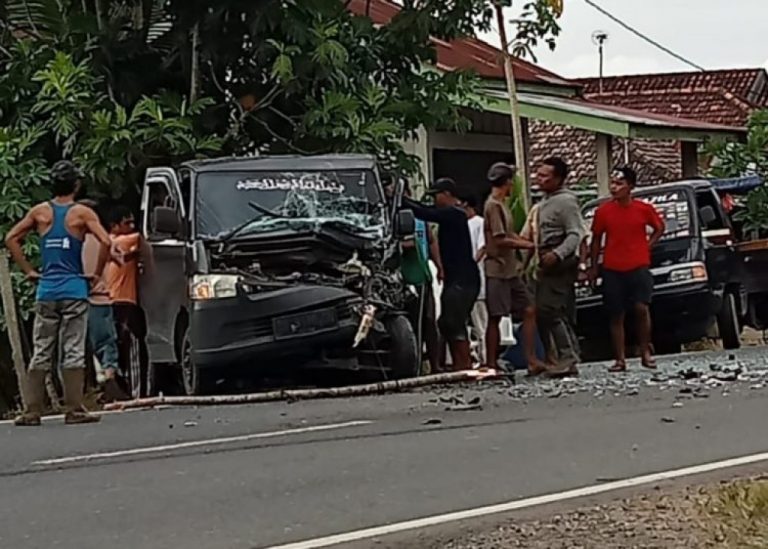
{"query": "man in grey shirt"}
pixel 559 233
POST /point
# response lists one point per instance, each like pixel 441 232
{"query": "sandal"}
pixel 648 362
pixel 618 367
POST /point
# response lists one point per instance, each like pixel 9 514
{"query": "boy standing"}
pixel 507 294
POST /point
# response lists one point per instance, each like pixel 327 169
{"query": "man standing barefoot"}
pixel 627 279
pixel 61 311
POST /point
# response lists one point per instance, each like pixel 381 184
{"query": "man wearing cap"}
pixel 506 293
pixel 61 310
pixel 627 280
pixel 461 276
pixel 558 237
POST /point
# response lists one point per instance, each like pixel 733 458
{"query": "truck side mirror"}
pixel 405 224
pixel 707 215
pixel 165 221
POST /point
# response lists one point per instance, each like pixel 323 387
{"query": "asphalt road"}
pixel 264 475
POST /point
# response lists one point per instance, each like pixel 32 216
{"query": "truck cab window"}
pixel 710 198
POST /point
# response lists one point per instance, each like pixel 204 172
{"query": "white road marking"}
pixel 436 520
pixel 199 443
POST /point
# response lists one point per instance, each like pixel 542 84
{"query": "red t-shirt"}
pixel 626 237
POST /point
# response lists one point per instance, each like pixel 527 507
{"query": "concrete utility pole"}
pixel 514 107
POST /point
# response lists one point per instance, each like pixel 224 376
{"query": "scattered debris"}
pixel 677 405
pixel 667 419
pixel 465 407
pixel 190 423
pixel 690 373
pixel 432 421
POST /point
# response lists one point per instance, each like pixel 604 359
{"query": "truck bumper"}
pixel 260 329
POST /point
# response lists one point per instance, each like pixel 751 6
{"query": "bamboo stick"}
pixel 296 394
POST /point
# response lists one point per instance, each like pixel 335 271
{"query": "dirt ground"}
pixel 730 515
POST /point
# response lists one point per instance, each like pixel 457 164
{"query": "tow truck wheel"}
pixel 194 379
pixel 403 354
pixel 728 323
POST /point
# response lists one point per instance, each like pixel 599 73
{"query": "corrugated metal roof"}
pixel 608 119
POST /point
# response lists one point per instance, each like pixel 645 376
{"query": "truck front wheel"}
pixel 403 353
pixel 728 323
pixel 195 380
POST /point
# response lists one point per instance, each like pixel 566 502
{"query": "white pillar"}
pixel 604 146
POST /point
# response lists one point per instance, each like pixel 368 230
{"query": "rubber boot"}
pixel 34 394
pixel 74 379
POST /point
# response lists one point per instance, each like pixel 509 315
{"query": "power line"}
pixel 644 37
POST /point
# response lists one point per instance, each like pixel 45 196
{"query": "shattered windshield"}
pixel 265 202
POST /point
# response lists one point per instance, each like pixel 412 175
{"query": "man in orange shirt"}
pixel 122 282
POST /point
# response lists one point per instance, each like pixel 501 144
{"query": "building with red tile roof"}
pixel 723 97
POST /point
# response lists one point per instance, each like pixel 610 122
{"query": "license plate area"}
pixel 305 324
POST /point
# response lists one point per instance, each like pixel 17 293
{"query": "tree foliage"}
pixel 108 82
pixel 731 159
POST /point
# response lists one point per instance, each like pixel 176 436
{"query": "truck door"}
pixel 718 238
pixel 163 283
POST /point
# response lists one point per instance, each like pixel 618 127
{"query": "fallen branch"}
pixel 296 394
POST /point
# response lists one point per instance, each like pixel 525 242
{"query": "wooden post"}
pixel 514 109
pixel 604 145
pixel 690 158
pixel 194 85
pixel 12 324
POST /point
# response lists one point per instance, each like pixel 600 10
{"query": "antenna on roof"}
pixel 599 38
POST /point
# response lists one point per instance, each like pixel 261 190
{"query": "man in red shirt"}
pixel 627 279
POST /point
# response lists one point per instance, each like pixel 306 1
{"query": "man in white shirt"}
pixel 479 311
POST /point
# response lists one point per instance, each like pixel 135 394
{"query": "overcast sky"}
pixel 712 33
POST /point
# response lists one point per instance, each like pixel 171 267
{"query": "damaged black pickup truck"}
pixel 274 264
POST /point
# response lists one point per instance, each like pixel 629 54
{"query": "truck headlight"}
pixel 692 273
pixel 213 286
pixel 583 291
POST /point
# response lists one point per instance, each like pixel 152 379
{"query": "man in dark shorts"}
pixel 627 279
pixel 559 234
pixel 506 293
pixel 61 308
pixel 461 276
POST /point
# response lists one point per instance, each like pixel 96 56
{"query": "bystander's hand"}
pixel 33 276
pixel 116 254
pixel 592 275
pixel 440 275
pixel 548 260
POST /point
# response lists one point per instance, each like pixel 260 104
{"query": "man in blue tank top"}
pixel 61 310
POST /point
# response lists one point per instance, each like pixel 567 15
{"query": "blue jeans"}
pixel 102 335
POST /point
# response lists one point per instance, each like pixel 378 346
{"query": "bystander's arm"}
pixel 658 226
pixel 573 224
pixel 426 213
pixel 93 226
pixel 434 255
pixel 598 230
pixel 14 240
